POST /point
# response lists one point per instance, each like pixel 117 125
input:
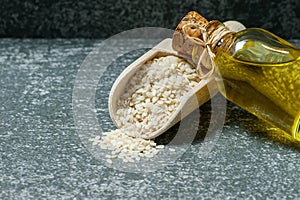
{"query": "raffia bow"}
pixel 208 43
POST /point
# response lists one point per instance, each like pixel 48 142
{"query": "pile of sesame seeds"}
pixel 149 99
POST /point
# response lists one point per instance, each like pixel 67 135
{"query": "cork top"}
pixel 195 39
pixel 188 28
pixel 192 18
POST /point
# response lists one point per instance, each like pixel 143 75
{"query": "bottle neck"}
pixel 220 36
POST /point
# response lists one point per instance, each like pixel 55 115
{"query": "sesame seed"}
pixel 109 161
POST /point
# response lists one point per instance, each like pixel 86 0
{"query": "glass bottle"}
pixel 259 72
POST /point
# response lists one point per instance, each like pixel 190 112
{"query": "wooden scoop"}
pixel 200 94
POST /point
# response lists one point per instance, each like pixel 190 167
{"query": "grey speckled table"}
pixel 41 155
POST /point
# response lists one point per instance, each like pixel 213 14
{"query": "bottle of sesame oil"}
pixel 253 68
pixel 260 72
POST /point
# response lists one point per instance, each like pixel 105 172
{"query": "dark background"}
pixel 101 19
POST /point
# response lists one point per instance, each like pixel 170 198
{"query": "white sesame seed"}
pixel 109 161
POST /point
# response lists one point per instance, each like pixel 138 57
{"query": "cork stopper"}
pixel 181 43
pixel 192 18
pixel 196 39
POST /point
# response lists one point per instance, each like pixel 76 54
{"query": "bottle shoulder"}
pixel 259 46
